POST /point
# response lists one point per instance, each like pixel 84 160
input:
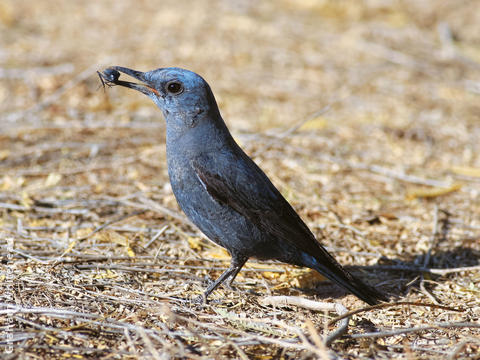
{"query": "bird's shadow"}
pixel 401 276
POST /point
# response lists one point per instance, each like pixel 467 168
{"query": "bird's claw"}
pixel 200 299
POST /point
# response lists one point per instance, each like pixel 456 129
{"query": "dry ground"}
pixel 365 114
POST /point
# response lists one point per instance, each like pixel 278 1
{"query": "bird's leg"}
pixel 234 274
pixel 235 267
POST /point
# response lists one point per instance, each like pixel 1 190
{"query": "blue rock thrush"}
pixel 221 190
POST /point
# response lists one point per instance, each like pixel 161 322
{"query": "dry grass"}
pixel 388 175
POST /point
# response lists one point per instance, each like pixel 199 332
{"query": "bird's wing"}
pixel 245 188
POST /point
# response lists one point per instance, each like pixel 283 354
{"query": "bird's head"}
pixel 182 95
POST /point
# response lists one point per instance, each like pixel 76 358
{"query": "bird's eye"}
pixel 174 87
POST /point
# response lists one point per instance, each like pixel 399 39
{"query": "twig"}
pixel 456 350
pixel 88 318
pixel 289 344
pixel 449 51
pixel 317 340
pixel 15 116
pixel 313 305
pixel 89 351
pixel 388 305
pixel 426 260
pixel 79 170
pixel 100 228
pixel 178 268
pixel 36 71
pixel 427 292
pixel 156 236
pixel 7 309
pixel 297 126
pixel 113 221
pixel 387 172
pixel 148 343
pixel 446 38
pixel 395 57
pixel 453 270
pixel 28 256
pixel 42 209
pixel 13 207
pixel 399 175
pixel 153 206
pixel 240 352
pixel 130 342
pixel 422 269
pixel 436 326
pixel 433 237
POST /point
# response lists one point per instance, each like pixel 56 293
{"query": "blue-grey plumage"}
pixel 222 190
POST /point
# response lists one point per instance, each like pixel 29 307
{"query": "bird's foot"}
pixel 201 299
pixel 229 286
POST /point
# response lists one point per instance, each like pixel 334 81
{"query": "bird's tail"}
pixel 326 265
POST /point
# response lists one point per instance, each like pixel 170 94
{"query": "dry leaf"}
pixel 466 171
pixel 53 179
pixel 4 154
pixel 26 200
pixel 431 193
pixel 195 243
pixel 317 123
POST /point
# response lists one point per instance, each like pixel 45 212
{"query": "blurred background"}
pixel 366 114
pixel 271 64
pixel 382 83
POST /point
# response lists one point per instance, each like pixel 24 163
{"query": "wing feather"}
pixel 248 191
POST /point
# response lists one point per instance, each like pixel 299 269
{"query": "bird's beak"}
pixel 111 76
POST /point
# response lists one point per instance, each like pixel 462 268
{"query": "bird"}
pixel 222 190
